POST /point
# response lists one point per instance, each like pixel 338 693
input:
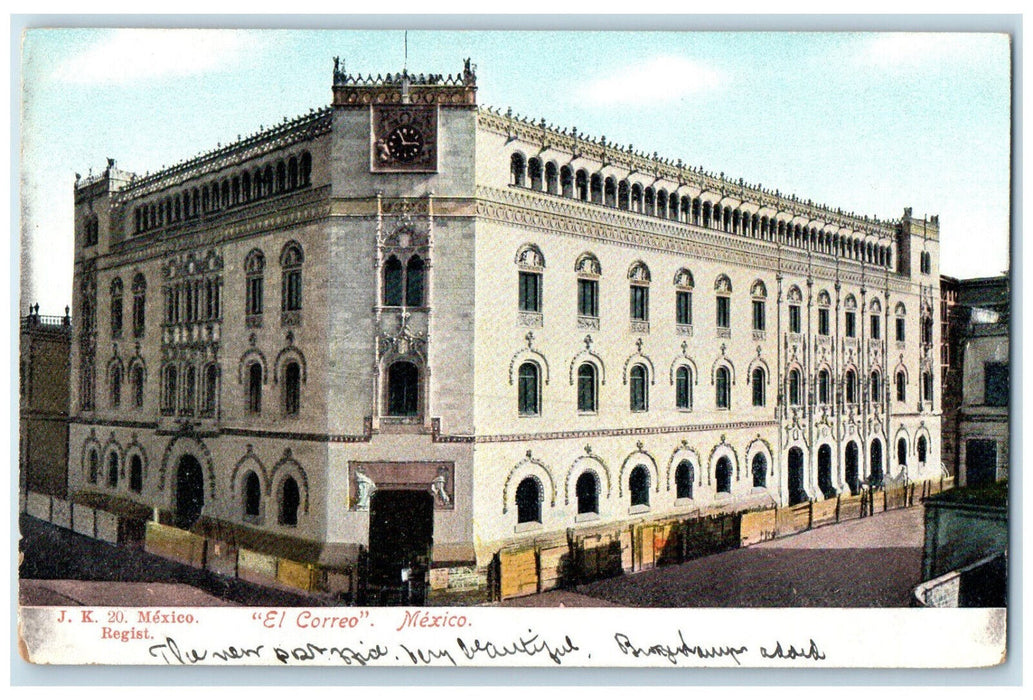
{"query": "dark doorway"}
pixel 875 474
pixel 980 462
pixel 851 468
pixel 189 492
pixel 797 492
pixel 825 471
pixel 401 531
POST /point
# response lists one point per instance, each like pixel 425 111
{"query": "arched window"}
pixel 683 387
pixel 139 305
pixel 639 277
pixel 211 390
pixel 292 173
pixel 587 491
pixel 723 300
pixel 638 486
pixel 518 169
pixel 189 391
pixel 586 388
pixel 305 176
pixel 901 321
pixel 760 471
pixel 136 474
pixel 850 382
pixel 403 389
pixel 393 282
pixel 252 495
pixel 923 449
pixel 723 388
pixel 824 386
pixel 290 499
pixel 566 181
pixel 551 183
pixel 757 383
pixel 254 283
pixel 527 389
pixel 116 384
pixel 93 466
pixel 168 399
pixel 723 475
pixel 116 308
pixel 794 387
pixel 292 388
pixel 876 387
pixel 902 451
pixel 596 185
pixel 683 478
pixel 529 501
pixel 414 271
pixel 113 470
pixel 901 386
pixel 281 179
pixel 927 386
pixel 638 388
pixel 254 388
pixel 137 378
pixel 291 261
pixel 534 173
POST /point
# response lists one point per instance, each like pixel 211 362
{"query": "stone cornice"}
pixel 302 129
pixel 561 215
pixel 544 137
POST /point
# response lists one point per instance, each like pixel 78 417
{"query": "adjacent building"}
pixel 43 402
pixel 976 411
pixel 414 329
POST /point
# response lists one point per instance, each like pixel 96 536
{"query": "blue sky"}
pixel 871 123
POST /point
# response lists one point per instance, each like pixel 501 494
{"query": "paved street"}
pixel 872 562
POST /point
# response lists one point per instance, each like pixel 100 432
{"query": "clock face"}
pixel 405 143
pixel 403 138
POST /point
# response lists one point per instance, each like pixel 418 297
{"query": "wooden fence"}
pixel 603 552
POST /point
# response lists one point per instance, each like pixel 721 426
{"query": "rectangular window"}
pixel 588 298
pixel 531 292
pixel 823 321
pixel 996 388
pixel 683 304
pixel 876 328
pixel 254 296
pixel 292 290
pixel 794 319
pixel 851 324
pixel 759 320
pixel 900 330
pixel 639 303
pixel 724 316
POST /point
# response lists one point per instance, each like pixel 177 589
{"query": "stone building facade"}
pixel 414 327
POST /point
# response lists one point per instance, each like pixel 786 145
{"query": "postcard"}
pixel 514 348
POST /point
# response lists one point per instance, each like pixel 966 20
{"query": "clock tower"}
pixel 404 111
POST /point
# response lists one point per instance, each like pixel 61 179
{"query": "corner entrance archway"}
pixel 189 492
pixel 401 532
pixel 797 492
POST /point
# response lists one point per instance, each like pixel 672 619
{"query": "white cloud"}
pixel 657 80
pixel 129 55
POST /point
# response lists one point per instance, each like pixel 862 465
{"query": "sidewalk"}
pixel 871 562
